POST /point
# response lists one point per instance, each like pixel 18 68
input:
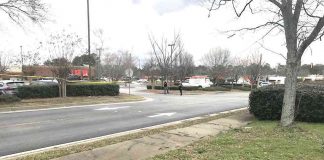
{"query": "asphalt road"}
pixel 25 131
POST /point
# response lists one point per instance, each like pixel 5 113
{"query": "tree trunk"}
pixel 258 81
pixel 288 108
pixel 64 89
pixel 60 88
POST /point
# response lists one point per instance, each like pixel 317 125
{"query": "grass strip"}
pixel 259 140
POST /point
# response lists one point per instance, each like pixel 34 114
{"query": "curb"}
pixel 61 146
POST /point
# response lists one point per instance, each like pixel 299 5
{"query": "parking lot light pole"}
pixel 89 47
pixel 171 46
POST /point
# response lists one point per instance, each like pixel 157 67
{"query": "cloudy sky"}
pixel 127 23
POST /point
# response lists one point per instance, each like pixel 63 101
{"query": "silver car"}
pixel 10 87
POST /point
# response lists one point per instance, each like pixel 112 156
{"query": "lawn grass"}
pixel 40 103
pixel 259 140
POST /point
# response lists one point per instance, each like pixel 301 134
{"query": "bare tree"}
pixel 115 64
pixel 254 70
pixel 5 62
pixel 164 56
pixel 217 60
pixel 151 69
pixel 302 23
pixel 184 66
pixel 62 46
pixel 20 10
pixel 99 44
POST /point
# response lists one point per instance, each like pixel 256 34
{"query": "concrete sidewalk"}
pixel 150 146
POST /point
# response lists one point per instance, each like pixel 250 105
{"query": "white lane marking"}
pixel 83 106
pixel 162 114
pixel 85 141
pixel 111 108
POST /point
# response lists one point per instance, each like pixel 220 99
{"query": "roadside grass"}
pixel 259 140
pixel 40 103
pixel 60 152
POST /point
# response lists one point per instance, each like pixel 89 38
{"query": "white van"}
pixel 197 81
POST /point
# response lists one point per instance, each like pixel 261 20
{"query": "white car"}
pixel 10 87
pixel 262 84
pixel 202 83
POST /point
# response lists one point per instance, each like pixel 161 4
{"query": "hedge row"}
pixel 191 88
pixel 38 91
pixel 173 88
pixel 266 103
pixel 73 90
pixel 245 88
pixel 216 88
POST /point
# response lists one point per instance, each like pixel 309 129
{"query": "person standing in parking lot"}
pixel 166 90
pixel 180 88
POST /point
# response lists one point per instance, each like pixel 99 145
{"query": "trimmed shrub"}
pixel 173 88
pixel 189 88
pixel 72 90
pixel 216 89
pixel 9 99
pixel 38 91
pixel 266 103
pixel 239 87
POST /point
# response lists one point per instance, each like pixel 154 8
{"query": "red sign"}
pixel 78 72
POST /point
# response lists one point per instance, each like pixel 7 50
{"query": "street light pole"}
pixel 22 60
pixel 89 40
pixel 171 46
pixel 21 56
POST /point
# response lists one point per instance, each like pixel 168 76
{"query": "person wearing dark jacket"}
pixel 180 88
pixel 166 90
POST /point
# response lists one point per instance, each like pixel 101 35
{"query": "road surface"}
pixel 30 130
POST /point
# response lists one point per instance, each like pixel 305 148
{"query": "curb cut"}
pixel 61 146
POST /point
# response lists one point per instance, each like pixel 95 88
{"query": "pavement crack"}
pixel 181 134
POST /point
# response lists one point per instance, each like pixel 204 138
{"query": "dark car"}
pixel 72 77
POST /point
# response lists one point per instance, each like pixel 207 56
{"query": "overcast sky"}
pixel 127 23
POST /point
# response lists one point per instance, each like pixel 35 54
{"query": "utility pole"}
pixel 21 56
pixel 22 60
pixel 130 66
pixel 89 40
pixel 171 46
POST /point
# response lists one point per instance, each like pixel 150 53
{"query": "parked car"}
pixel 142 81
pixel 197 81
pixel 42 82
pixel 72 77
pixel 262 84
pixel 10 87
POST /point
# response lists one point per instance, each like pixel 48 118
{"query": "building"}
pixel 276 79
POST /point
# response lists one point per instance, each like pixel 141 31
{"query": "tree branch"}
pixel 311 37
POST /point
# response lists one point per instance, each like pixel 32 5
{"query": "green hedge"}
pixel 173 88
pixel 72 90
pixel 92 90
pixel 239 87
pixel 38 91
pixel 216 89
pixel 9 99
pixel 266 103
